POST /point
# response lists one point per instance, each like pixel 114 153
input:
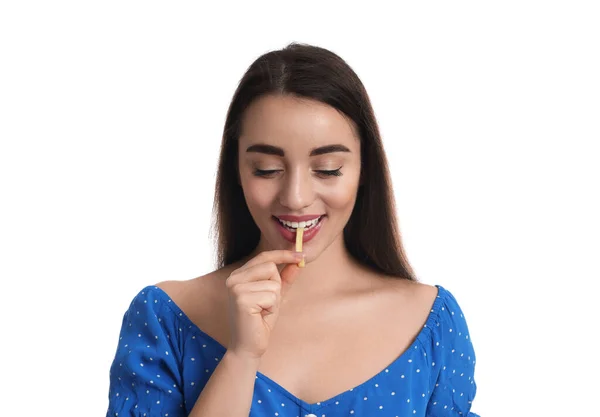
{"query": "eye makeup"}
pixel 269 172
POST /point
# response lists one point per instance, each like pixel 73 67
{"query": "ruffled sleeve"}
pixel 453 359
pixel 145 376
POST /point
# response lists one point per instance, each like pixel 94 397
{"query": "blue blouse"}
pixel 163 361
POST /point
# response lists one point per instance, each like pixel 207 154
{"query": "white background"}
pixel 111 115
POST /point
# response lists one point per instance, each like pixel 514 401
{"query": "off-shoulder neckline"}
pixel 421 337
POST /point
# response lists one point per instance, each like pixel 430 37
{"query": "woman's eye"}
pixel 265 172
pixel 332 173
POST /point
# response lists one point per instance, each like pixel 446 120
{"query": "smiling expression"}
pixel 299 159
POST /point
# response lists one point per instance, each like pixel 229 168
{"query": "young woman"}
pixel 350 334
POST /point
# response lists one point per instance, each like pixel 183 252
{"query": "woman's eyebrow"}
pixel 274 150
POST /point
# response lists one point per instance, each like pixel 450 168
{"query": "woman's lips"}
pixel 308 234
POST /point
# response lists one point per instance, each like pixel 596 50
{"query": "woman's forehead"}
pixel 292 122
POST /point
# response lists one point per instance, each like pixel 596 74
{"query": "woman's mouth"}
pixel 288 229
pixel 292 226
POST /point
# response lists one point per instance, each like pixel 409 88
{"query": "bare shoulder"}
pixel 424 293
pixel 417 296
pixel 176 290
pixel 203 300
pixel 202 290
pixel 406 307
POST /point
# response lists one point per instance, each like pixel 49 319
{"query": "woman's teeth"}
pixel 294 225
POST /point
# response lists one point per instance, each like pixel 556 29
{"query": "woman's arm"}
pixel 145 378
pixel 453 356
pixel 229 391
pixel 255 292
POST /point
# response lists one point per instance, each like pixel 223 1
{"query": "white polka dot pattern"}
pixel 163 362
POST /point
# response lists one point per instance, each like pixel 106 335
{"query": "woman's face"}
pixel 299 159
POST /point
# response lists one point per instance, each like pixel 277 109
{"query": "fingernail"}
pixel 301 264
pixel 298 256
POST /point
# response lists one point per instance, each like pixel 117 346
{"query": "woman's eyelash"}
pixel 264 173
pixel 334 172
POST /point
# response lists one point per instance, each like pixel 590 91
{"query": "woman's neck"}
pixel 332 271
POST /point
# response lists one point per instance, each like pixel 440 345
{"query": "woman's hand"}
pixel 255 293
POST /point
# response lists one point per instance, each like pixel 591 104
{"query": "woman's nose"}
pixel 297 190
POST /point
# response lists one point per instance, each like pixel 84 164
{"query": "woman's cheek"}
pixel 341 196
pixel 342 193
pixel 259 194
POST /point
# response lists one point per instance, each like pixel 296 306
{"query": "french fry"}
pixel 299 234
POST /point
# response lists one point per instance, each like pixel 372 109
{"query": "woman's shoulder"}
pixel 419 295
pixel 424 294
pixel 435 297
pixel 202 290
pixel 203 300
pixel 435 305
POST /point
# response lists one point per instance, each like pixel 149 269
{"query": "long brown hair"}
pixel 371 234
